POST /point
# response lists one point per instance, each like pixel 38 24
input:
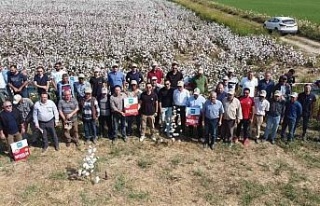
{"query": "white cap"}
pixel 17 98
pixel 200 70
pixel 263 93
pixel 294 94
pixel 196 91
pixel 133 82
pixel 180 84
pixel 231 91
pixel 154 78
pixel 81 76
pixel 88 90
pixel 231 70
pixel 277 93
pixel 115 65
pixel 134 65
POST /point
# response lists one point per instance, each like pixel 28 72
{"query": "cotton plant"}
pixel 89 165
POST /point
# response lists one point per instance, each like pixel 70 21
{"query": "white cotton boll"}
pixel 96 179
pixel 85 165
pixel 91 171
pixel 83 172
pixel 90 151
pixel 94 149
pixel 87 174
pixel 79 172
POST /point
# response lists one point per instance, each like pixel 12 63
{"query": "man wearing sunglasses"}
pixel 11 124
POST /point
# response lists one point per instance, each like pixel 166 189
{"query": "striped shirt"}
pixel 105 106
pixel 87 113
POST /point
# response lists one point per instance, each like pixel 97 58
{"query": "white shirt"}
pixel 181 98
pixel 232 83
pixel 2 81
pixel 45 112
pixel 250 84
pixel 57 76
pixel 261 106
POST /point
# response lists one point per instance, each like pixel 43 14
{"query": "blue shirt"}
pixel 116 79
pixel 221 96
pixel 293 111
pixel 268 86
pixel 213 110
pixel 193 102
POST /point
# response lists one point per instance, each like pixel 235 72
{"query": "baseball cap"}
pixel 133 82
pixel 180 84
pixel 200 70
pixel 115 65
pixel 88 90
pixel 225 78
pixel 294 94
pixel 231 91
pixel 17 98
pixel 277 93
pixel 196 91
pixel 154 78
pixel 134 65
pixel 81 75
pixel 263 93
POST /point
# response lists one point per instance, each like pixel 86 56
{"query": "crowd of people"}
pixel 234 111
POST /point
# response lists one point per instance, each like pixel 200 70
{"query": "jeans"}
pixel 272 127
pixel 48 127
pixel 103 120
pixel 90 129
pixel 291 124
pixel 130 121
pixel 245 123
pixel 166 118
pixel 211 126
pixel 119 120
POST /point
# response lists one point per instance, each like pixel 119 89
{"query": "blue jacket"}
pixel 293 111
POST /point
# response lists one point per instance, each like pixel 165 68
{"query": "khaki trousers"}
pixel 73 133
pixel 144 121
pixel 257 122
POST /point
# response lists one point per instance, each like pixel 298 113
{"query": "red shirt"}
pixel 246 104
pixel 158 73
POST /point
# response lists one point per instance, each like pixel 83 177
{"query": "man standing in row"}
pixel 174 75
pixel 46 118
pixel 68 108
pixel 115 78
pixel 17 81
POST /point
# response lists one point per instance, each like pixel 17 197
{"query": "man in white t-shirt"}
pixel 249 82
pixel 56 76
pixel 233 80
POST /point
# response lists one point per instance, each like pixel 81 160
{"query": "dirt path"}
pixel 302 43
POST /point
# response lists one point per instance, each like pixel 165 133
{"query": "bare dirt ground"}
pixel 304 44
pixel 168 173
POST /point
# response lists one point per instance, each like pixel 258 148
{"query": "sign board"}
pixel 20 150
pixel 192 116
pixel 131 106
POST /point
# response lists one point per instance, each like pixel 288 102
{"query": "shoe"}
pixel 153 139
pixel 173 139
pixel 273 142
pixel 142 138
pixel 57 148
pixel 205 145
pixel 211 146
pixel 256 141
pixel 304 137
pixel 68 144
pixel 230 144
pixel 44 150
pixel 94 141
pixel 125 139
pixel 235 139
